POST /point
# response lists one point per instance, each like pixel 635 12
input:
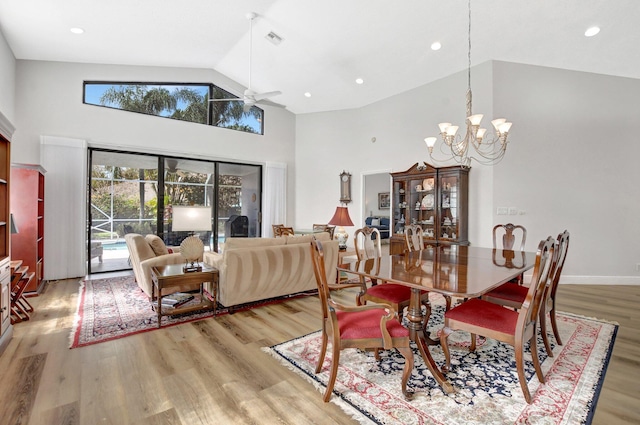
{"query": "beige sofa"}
pixel 253 269
pixel 146 252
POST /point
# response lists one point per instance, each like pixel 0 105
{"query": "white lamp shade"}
pixel 481 132
pixel 497 122
pixel 443 126
pixel 452 130
pixel 504 128
pixel 475 119
pixel 430 141
pixel 191 219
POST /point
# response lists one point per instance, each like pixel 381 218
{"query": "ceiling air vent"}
pixel 274 38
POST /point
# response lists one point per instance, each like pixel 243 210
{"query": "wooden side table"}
pixel 342 259
pixel 170 279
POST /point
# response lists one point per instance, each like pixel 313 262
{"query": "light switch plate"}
pixel 513 211
pixel 502 211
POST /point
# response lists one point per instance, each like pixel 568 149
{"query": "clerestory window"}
pixel 186 102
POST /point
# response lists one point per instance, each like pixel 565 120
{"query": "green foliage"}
pixel 161 101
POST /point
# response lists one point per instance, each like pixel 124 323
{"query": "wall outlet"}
pixel 502 211
pixel 513 211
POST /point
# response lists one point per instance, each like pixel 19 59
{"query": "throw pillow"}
pixel 375 222
pixel 157 244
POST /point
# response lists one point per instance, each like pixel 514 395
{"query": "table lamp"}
pixel 341 218
pixel 191 219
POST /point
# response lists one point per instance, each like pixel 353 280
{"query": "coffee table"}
pixel 171 278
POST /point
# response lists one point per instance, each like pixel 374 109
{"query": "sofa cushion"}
pixel 375 222
pixel 236 243
pixel 157 244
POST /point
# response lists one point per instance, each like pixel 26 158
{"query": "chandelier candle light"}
pixel 490 150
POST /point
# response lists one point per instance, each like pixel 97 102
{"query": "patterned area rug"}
pixel 116 307
pixel 486 384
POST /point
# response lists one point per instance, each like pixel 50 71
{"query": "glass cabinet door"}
pixel 449 208
pixel 399 206
pixel 424 205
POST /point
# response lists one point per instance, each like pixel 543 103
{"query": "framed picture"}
pixel 384 201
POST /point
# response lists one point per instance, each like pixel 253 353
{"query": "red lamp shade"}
pixel 341 217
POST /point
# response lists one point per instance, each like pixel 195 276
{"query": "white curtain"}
pixel 274 210
pixel 65 228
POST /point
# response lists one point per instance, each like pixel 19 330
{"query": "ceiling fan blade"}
pixel 247 107
pixel 260 96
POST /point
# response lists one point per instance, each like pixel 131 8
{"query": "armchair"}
pixel 147 252
pixel 373 327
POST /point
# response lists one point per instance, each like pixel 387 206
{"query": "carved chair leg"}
pixel 444 335
pixel 543 331
pixel 407 353
pixel 519 351
pixel 335 361
pixel 534 355
pixel 323 351
pixel 554 324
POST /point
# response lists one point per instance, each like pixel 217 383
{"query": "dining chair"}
pixel 480 317
pixel 513 296
pixel 368 247
pixel 276 229
pixel 324 228
pixel 363 327
pixel 414 237
pixel 509 234
pixel 286 231
pixel 414 241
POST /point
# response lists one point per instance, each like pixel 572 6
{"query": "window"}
pixel 133 192
pixel 186 102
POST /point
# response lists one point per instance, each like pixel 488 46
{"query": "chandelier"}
pixel 487 149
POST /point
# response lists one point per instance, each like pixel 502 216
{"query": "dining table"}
pixel 450 270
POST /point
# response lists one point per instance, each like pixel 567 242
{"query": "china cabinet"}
pixel 6 330
pixel 436 199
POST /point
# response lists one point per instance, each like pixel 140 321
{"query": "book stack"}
pixel 176 300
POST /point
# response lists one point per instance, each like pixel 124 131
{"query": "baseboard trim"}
pixel 601 280
pixel 594 280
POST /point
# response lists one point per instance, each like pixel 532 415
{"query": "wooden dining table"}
pixel 450 270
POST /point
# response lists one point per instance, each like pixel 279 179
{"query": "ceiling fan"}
pixel 250 97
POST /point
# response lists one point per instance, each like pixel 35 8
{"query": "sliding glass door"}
pixel 148 194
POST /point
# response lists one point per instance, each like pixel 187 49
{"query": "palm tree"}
pixel 160 101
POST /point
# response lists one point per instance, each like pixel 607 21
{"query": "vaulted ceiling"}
pixel 327 44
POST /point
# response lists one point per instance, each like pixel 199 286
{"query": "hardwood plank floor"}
pixel 213 371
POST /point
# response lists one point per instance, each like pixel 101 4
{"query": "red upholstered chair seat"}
pixel 366 324
pixel 510 292
pixel 391 292
pixel 485 314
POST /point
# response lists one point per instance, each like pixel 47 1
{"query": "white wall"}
pixel 49 102
pixel 576 167
pixel 328 142
pixel 571 162
pixel 7 80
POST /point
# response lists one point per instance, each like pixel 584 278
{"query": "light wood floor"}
pixel 213 372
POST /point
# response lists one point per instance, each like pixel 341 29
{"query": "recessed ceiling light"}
pixel 436 46
pixel 76 30
pixel 359 81
pixel 592 31
pixel 307 94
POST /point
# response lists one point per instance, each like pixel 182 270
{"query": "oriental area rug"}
pixel 116 307
pixel 487 390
